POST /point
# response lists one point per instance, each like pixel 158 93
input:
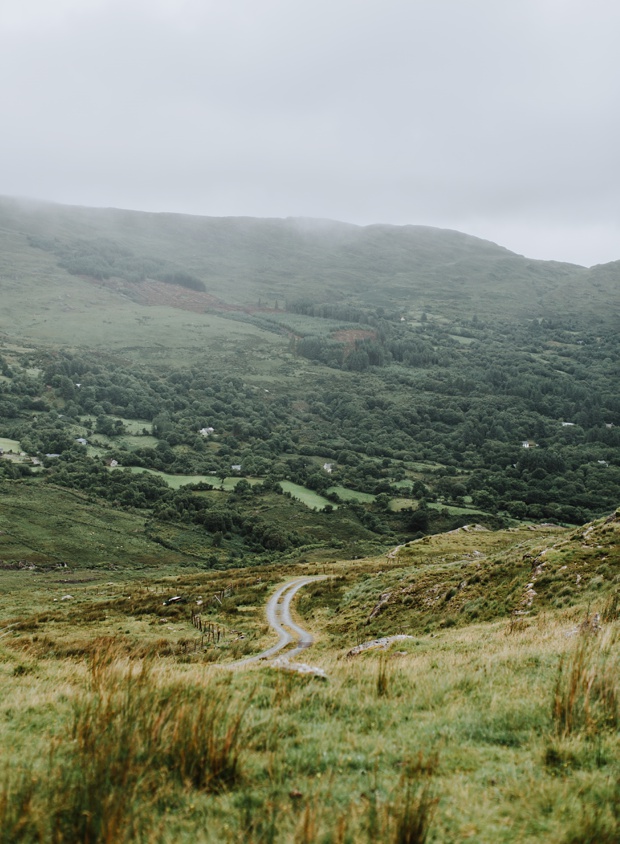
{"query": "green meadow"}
pixel 351 494
pixel 9 445
pixel 306 496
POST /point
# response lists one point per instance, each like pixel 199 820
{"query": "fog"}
pixel 500 120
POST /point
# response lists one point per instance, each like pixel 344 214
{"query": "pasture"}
pixel 352 494
pixel 9 445
pixel 306 496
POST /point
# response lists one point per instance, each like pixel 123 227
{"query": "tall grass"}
pixel 130 742
pixel 599 822
pixel 18 820
pixel 587 689
pixel 416 803
pixel 383 677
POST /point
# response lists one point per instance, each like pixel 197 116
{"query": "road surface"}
pixel 279 618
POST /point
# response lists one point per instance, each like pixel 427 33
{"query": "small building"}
pixel 528 444
pixel 205 432
pixel 329 467
pixel 236 467
pixel 568 424
pixel 112 463
pixel 81 441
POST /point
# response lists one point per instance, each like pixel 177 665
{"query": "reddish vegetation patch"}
pixel 169 295
pixel 351 335
pixel 152 292
pixel 172 296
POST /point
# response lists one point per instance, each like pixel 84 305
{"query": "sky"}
pixel 498 118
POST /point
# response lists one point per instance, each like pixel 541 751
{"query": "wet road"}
pixel 279 618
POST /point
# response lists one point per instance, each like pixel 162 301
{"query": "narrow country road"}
pixel 279 618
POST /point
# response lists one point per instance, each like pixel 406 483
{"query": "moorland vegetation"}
pixel 193 410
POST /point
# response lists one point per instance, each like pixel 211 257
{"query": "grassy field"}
pixel 352 494
pixel 129 441
pixel 504 730
pixel 306 496
pixel 9 445
pixel 178 481
pixel 47 527
pixel 453 508
pixel 137 426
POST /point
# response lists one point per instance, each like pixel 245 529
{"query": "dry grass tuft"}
pixel 587 689
pixel 130 739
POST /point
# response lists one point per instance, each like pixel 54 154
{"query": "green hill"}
pixel 242 261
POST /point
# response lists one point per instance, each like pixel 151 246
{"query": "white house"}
pixel 329 467
pixel 204 432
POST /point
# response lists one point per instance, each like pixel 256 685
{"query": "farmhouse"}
pixel 329 467
pixel 204 432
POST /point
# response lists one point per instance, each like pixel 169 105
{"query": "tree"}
pixel 419 519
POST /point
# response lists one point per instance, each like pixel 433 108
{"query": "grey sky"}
pixel 500 118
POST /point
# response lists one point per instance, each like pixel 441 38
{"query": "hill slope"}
pixel 244 260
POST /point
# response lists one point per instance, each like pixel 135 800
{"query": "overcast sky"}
pixel 499 118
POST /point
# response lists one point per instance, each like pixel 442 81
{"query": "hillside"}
pixel 390 381
pixel 394 431
pixel 484 720
pixel 244 261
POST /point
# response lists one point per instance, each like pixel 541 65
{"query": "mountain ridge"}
pixel 243 260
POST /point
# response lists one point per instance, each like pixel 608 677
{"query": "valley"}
pixel 398 435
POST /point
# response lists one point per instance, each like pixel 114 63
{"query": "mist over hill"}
pixel 242 260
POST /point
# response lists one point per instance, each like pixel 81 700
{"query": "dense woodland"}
pixel 434 412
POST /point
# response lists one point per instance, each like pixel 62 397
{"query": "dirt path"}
pixel 279 618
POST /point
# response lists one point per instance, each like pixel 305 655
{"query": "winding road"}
pixel 279 618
